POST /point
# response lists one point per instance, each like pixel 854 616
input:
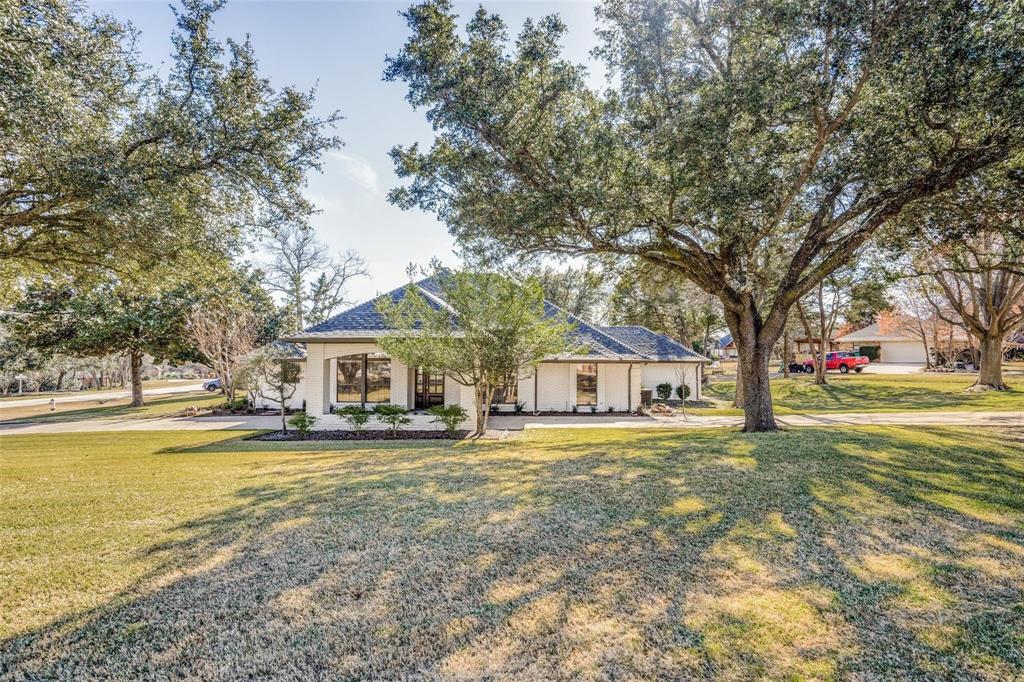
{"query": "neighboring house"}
pixel 345 366
pixel 726 349
pixel 888 340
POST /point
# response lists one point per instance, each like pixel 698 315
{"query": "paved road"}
pixel 919 418
pixel 80 396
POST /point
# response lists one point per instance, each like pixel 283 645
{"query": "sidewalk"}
pixel 519 423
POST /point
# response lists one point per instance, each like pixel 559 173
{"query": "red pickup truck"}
pixel 843 361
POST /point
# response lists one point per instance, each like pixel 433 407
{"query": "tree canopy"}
pixel 751 147
pixel 108 164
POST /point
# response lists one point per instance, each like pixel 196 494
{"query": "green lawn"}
pixel 120 408
pixel 878 553
pixel 877 393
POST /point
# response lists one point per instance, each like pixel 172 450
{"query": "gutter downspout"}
pixel 629 389
pixel 536 373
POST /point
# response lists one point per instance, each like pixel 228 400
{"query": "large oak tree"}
pixel 104 163
pixel 751 147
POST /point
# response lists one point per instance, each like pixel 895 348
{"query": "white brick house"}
pixel 343 365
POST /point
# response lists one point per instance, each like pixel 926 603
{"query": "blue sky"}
pixel 340 47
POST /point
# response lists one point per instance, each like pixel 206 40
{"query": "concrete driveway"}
pixel 893 368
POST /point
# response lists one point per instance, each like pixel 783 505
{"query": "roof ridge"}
pixel 597 329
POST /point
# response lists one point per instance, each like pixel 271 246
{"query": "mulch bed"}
pixel 424 434
pixel 581 413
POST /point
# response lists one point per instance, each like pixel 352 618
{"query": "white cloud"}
pixel 358 170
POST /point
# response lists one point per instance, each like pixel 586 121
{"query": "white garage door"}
pixel 902 351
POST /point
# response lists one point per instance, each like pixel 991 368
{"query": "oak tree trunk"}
pixel 136 364
pixel 478 400
pixel 991 370
pixel 754 343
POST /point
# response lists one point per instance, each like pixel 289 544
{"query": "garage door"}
pixel 908 351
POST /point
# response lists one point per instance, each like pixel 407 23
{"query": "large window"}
pixel 586 383
pixel 364 378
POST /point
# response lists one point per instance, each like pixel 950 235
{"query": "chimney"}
pixel 888 322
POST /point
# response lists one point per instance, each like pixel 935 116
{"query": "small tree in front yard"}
pixel 226 335
pixel 271 378
pixel 488 329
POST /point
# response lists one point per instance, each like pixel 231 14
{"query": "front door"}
pixel 429 388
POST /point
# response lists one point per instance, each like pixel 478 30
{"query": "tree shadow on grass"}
pixel 643 554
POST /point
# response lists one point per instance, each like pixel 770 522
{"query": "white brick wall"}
pixel 555 390
pixel 674 373
pixel 294 403
pixel 612 386
pixel 553 386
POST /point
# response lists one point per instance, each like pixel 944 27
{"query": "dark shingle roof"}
pixel 653 345
pixel 590 341
pixel 285 350
pixel 364 320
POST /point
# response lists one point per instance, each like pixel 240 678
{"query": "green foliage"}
pixel 147 165
pixel 88 318
pixel 355 415
pixel 663 301
pixel 491 328
pixel 237 405
pixel 450 415
pixel 303 422
pixel 392 415
pixel 682 391
pixel 664 390
pixel 577 291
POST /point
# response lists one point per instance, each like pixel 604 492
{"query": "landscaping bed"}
pixel 411 434
pixel 581 413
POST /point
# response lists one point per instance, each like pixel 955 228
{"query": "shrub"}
pixel 303 422
pixel 664 390
pixel 355 415
pixel 575 409
pixel 519 407
pixel 237 404
pixel 610 409
pixel 449 415
pixel 392 415
pixel 683 391
pixel 593 409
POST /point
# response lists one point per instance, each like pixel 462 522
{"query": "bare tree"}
pixel 225 335
pixel 915 316
pixel 982 281
pixel 279 380
pixel 312 282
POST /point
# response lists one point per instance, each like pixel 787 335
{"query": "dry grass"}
pixel 867 553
